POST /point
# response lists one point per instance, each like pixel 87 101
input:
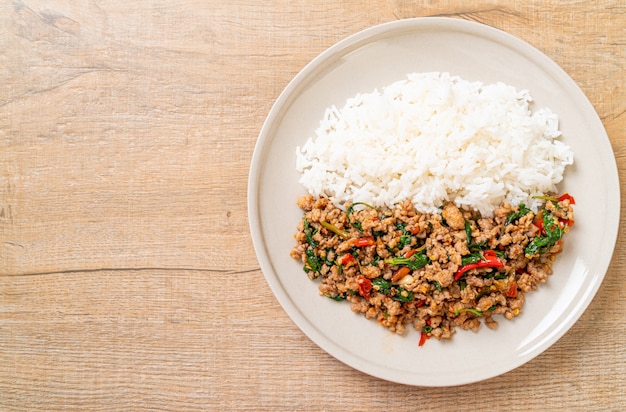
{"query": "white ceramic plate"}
pixel 377 57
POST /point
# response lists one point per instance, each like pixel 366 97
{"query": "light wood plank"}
pixel 128 280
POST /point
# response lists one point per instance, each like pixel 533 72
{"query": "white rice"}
pixel 433 138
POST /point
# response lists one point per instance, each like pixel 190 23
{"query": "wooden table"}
pixel 128 280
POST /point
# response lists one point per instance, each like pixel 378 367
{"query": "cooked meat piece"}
pixel 453 216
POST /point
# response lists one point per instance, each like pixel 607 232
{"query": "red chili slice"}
pixel 568 197
pixel 423 338
pixel 400 273
pixel 365 286
pixel 364 241
pixel 512 292
pixel 491 261
pixel 347 258
pixel 409 253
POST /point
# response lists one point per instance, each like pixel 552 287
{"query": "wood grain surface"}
pixel 128 280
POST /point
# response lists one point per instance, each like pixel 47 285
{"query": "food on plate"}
pixel 436 271
pixel 431 203
pixel 433 138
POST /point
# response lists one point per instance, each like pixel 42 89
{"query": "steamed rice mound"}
pixel 433 138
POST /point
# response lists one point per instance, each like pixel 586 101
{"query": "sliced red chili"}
pixel 364 241
pixel 490 254
pixel 568 197
pixel 365 286
pixel 400 273
pixel 539 222
pixel 491 261
pixel 347 258
pixel 512 292
pixel 423 338
pixel 409 253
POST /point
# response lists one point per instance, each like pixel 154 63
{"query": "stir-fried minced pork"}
pixel 437 271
